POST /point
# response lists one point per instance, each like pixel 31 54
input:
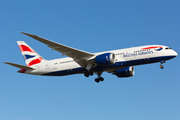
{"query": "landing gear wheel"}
pixel 97 80
pixel 86 74
pixel 91 73
pixel 101 78
pixel 161 66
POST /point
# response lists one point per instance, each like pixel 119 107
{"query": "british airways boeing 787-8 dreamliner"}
pixel 118 62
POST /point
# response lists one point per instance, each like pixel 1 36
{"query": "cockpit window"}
pixel 167 48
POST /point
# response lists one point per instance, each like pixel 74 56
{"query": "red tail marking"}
pixel 25 48
pixel 36 61
pixel 23 70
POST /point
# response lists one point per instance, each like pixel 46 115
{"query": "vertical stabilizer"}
pixel 30 56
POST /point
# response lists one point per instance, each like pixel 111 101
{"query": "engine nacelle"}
pixel 125 72
pixel 105 59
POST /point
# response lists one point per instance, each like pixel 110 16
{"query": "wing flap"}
pixel 19 66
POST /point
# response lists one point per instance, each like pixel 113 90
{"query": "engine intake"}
pixel 105 59
pixel 125 72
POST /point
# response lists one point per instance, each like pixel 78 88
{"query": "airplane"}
pixel 118 62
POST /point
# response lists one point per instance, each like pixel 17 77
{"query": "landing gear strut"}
pixel 161 66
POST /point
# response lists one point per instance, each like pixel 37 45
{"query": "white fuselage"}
pixel 123 58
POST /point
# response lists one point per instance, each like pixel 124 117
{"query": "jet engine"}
pixel 125 72
pixel 105 59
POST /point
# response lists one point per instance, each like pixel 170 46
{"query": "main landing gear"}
pixel 88 73
pixel 98 79
pixel 161 66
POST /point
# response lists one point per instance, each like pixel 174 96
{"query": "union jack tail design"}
pixel 30 56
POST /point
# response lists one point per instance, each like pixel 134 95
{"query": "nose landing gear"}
pixel 161 66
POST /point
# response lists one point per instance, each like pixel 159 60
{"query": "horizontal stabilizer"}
pixel 19 66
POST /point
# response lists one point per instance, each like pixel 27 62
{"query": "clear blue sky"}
pixel 93 26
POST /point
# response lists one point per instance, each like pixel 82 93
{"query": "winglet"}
pixel 25 33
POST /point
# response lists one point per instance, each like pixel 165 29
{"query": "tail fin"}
pixel 30 56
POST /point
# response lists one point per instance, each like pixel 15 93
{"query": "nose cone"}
pixel 175 53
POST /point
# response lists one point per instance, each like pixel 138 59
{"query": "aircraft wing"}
pixel 76 54
pixel 19 66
